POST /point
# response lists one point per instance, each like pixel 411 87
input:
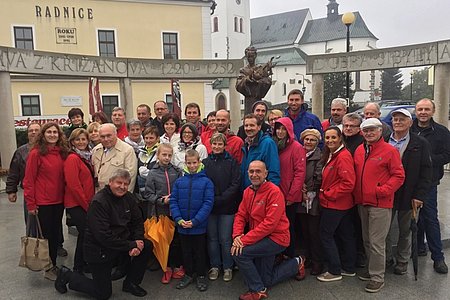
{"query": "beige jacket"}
pixel 121 156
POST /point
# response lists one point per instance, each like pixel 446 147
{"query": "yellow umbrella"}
pixel 160 230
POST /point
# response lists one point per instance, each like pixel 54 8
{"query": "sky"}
pixel 393 22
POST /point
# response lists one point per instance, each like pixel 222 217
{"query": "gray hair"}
pixel 353 116
pixel 133 122
pixel 108 125
pixel 120 173
pixel 340 101
pixel 117 108
pixel 377 106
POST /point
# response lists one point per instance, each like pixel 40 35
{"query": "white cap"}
pixel 370 123
pixel 402 111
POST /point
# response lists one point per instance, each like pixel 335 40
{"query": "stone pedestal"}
pixel 317 95
pixel 7 132
pixel 126 97
pixel 441 92
pixel 235 106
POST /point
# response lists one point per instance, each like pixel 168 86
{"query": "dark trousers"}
pixel 100 286
pixel 50 217
pixel 78 219
pixel 175 254
pixel 310 231
pixel 291 211
pixel 338 223
pixel 194 253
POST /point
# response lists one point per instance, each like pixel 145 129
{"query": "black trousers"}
pixel 310 231
pixel 194 253
pixel 50 217
pixel 100 286
pixel 175 253
pixel 291 211
pixel 78 219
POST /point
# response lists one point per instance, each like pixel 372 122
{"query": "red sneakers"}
pixel 254 295
pixel 178 273
pixel 301 269
pixel 167 276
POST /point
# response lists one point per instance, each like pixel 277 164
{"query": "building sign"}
pixel 397 57
pixel 66 12
pixel 66 35
pixel 47 63
pixel 23 122
pixel 71 101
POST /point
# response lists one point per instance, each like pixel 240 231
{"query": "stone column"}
pixel 7 132
pixel 317 95
pixel 126 97
pixel 441 92
pixel 235 106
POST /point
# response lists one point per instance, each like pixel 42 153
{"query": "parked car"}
pixel 387 110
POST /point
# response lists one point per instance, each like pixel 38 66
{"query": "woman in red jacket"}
pixel 292 169
pixel 44 186
pixel 336 200
pixel 78 173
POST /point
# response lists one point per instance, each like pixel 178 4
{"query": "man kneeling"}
pixel 263 210
pixel 114 227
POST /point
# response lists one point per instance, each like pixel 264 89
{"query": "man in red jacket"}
pixel 263 210
pixel 379 173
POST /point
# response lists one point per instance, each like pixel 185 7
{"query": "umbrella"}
pixel 160 230
pixel 414 249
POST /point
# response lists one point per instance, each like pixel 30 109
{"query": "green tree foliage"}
pixel 420 87
pixel 391 84
pixel 334 86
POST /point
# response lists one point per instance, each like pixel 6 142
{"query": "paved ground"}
pixel 19 283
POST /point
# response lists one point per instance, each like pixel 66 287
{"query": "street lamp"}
pixel 303 82
pixel 348 19
pixel 411 84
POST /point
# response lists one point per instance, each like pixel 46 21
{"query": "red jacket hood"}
pixel 287 122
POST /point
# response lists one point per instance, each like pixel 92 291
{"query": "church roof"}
pixel 328 29
pixel 287 56
pixel 277 30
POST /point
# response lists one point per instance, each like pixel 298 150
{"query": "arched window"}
pixel 241 25
pixel 215 24
pixel 236 24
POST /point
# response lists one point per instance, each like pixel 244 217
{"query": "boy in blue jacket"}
pixel 191 202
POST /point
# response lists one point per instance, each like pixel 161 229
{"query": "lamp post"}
pixel 303 82
pixel 348 19
pixel 411 84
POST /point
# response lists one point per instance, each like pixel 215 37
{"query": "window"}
pixel 170 45
pixel 284 89
pixel 169 102
pixel 31 105
pixel 23 38
pixel 215 24
pixel 236 25
pixel 109 102
pixel 241 25
pixel 106 43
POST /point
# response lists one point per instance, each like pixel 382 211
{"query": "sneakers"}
pixel 178 273
pixel 202 283
pixel 316 269
pixel 61 252
pixel 63 279
pixel 389 263
pixel 51 274
pixel 227 275
pixel 440 267
pixel 364 276
pixel 254 295
pixel 213 273
pixel 374 286
pixel 301 269
pixel 348 274
pixel 167 276
pixel 184 282
pixel 328 277
pixel 401 268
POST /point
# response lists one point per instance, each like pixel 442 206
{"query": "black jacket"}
pixel 17 168
pixel 439 138
pixel 352 142
pixel 156 122
pixel 416 162
pixel 224 172
pixel 113 225
pixel 265 128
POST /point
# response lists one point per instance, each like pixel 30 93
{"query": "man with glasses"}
pixel 161 109
pixel 351 131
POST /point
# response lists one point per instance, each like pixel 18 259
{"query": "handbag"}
pixel 34 253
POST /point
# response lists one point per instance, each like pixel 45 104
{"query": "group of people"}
pixel 272 199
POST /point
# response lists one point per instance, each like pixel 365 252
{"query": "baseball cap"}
pixel 370 123
pixel 403 111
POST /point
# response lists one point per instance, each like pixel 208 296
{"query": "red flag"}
pixel 176 97
pixel 95 103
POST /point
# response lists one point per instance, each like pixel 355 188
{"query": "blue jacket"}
pixel 192 199
pixel 305 120
pixel 263 149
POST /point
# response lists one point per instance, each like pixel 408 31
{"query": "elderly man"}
pixel 260 110
pixel 372 110
pixel 118 119
pixel 338 110
pixel 379 173
pixel 254 251
pixel 112 154
pixel 415 153
pixel 439 138
pixel 114 227
pixel 144 115
pixel 261 147
pixel 161 109
pixel 193 115
pixel 351 131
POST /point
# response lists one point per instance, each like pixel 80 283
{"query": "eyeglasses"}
pixel 188 133
pixel 351 126
pixel 311 140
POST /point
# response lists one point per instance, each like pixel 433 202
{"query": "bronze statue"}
pixel 254 81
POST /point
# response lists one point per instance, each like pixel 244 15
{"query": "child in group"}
pixel 158 185
pixel 191 202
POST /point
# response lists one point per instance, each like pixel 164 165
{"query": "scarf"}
pixel 84 154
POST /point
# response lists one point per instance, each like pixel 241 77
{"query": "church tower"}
pixel 332 10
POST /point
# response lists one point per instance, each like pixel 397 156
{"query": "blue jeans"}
pixel 256 264
pixel 220 229
pixel 429 225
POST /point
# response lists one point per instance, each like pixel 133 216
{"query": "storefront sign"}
pixel 66 35
pixel 23 122
pixel 71 101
